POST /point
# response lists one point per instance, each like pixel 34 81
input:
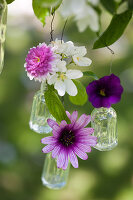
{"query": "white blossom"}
pixel 84 15
pixel 62 79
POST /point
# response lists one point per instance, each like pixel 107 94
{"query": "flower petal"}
pixel 82 61
pixel 51 123
pixel 74 117
pixel 83 121
pixel 48 148
pixel 60 87
pixel 66 162
pixel 61 65
pixel 74 74
pixel 52 79
pixel 83 147
pixel 56 151
pixel 73 159
pixel 49 140
pixel 68 114
pixel 85 131
pixel 71 88
pixel 63 124
pixel 80 153
pixel 56 131
pixel 61 159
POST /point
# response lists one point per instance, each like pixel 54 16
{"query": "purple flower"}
pixel 40 61
pixel 69 140
pixel 105 91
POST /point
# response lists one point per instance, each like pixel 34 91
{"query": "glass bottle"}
pixel 40 113
pixel 104 122
pixel 53 177
pixel 3 21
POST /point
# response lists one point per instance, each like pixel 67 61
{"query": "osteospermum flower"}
pixel 70 140
pixel 105 91
pixel 40 61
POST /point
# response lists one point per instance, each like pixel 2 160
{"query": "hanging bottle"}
pixel 104 122
pixel 53 177
pixel 40 112
pixel 3 21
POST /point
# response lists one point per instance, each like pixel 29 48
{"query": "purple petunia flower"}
pixel 69 140
pixel 40 61
pixel 105 91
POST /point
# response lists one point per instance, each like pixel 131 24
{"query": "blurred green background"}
pixel 105 175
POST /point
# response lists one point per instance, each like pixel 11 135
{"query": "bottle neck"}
pixel 43 87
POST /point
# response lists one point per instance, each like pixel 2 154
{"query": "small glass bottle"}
pixel 104 122
pixel 40 113
pixel 53 177
pixel 3 21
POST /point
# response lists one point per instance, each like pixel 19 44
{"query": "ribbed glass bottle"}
pixel 40 112
pixel 104 122
pixel 53 177
pixel 3 21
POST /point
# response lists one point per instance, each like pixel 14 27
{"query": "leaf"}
pixel 50 3
pixel 130 4
pixel 81 98
pixel 9 1
pixel 42 8
pixel 109 5
pixel 55 106
pixel 90 74
pixel 40 12
pixel 114 30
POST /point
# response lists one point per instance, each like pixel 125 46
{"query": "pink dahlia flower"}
pixel 70 140
pixel 40 61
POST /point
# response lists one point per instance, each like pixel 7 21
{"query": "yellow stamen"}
pixel 102 92
pixel 62 76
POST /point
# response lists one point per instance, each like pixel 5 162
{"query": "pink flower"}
pixel 40 61
pixel 70 140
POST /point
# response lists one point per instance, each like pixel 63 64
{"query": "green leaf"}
pixel 114 30
pixel 130 4
pixel 50 3
pixel 90 74
pixel 42 8
pixel 9 1
pixel 40 12
pixel 55 106
pixel 109 5
pixel 81 98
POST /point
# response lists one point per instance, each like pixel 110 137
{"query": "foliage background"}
pixel 105 175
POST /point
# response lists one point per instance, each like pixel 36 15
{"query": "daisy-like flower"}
pixel 40 61
pixel 70 140
pixel 105 91
pixel 62 79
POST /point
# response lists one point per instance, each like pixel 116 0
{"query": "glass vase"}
pixel 40 113
pixel 53 177
pixel 3 21
pixel 104 122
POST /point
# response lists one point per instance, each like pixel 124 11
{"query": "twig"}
pixel 52 30
pixel 63 30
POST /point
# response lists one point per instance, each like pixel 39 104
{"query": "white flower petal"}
pixel 52 79
pixel 70 87
pixel 61 65
pixel 60 87
pixel 79 51
pixel 74 74
pixel 82 61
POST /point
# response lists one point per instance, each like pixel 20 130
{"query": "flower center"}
pixel 102 92
pixel 62 76
pixel 67 137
